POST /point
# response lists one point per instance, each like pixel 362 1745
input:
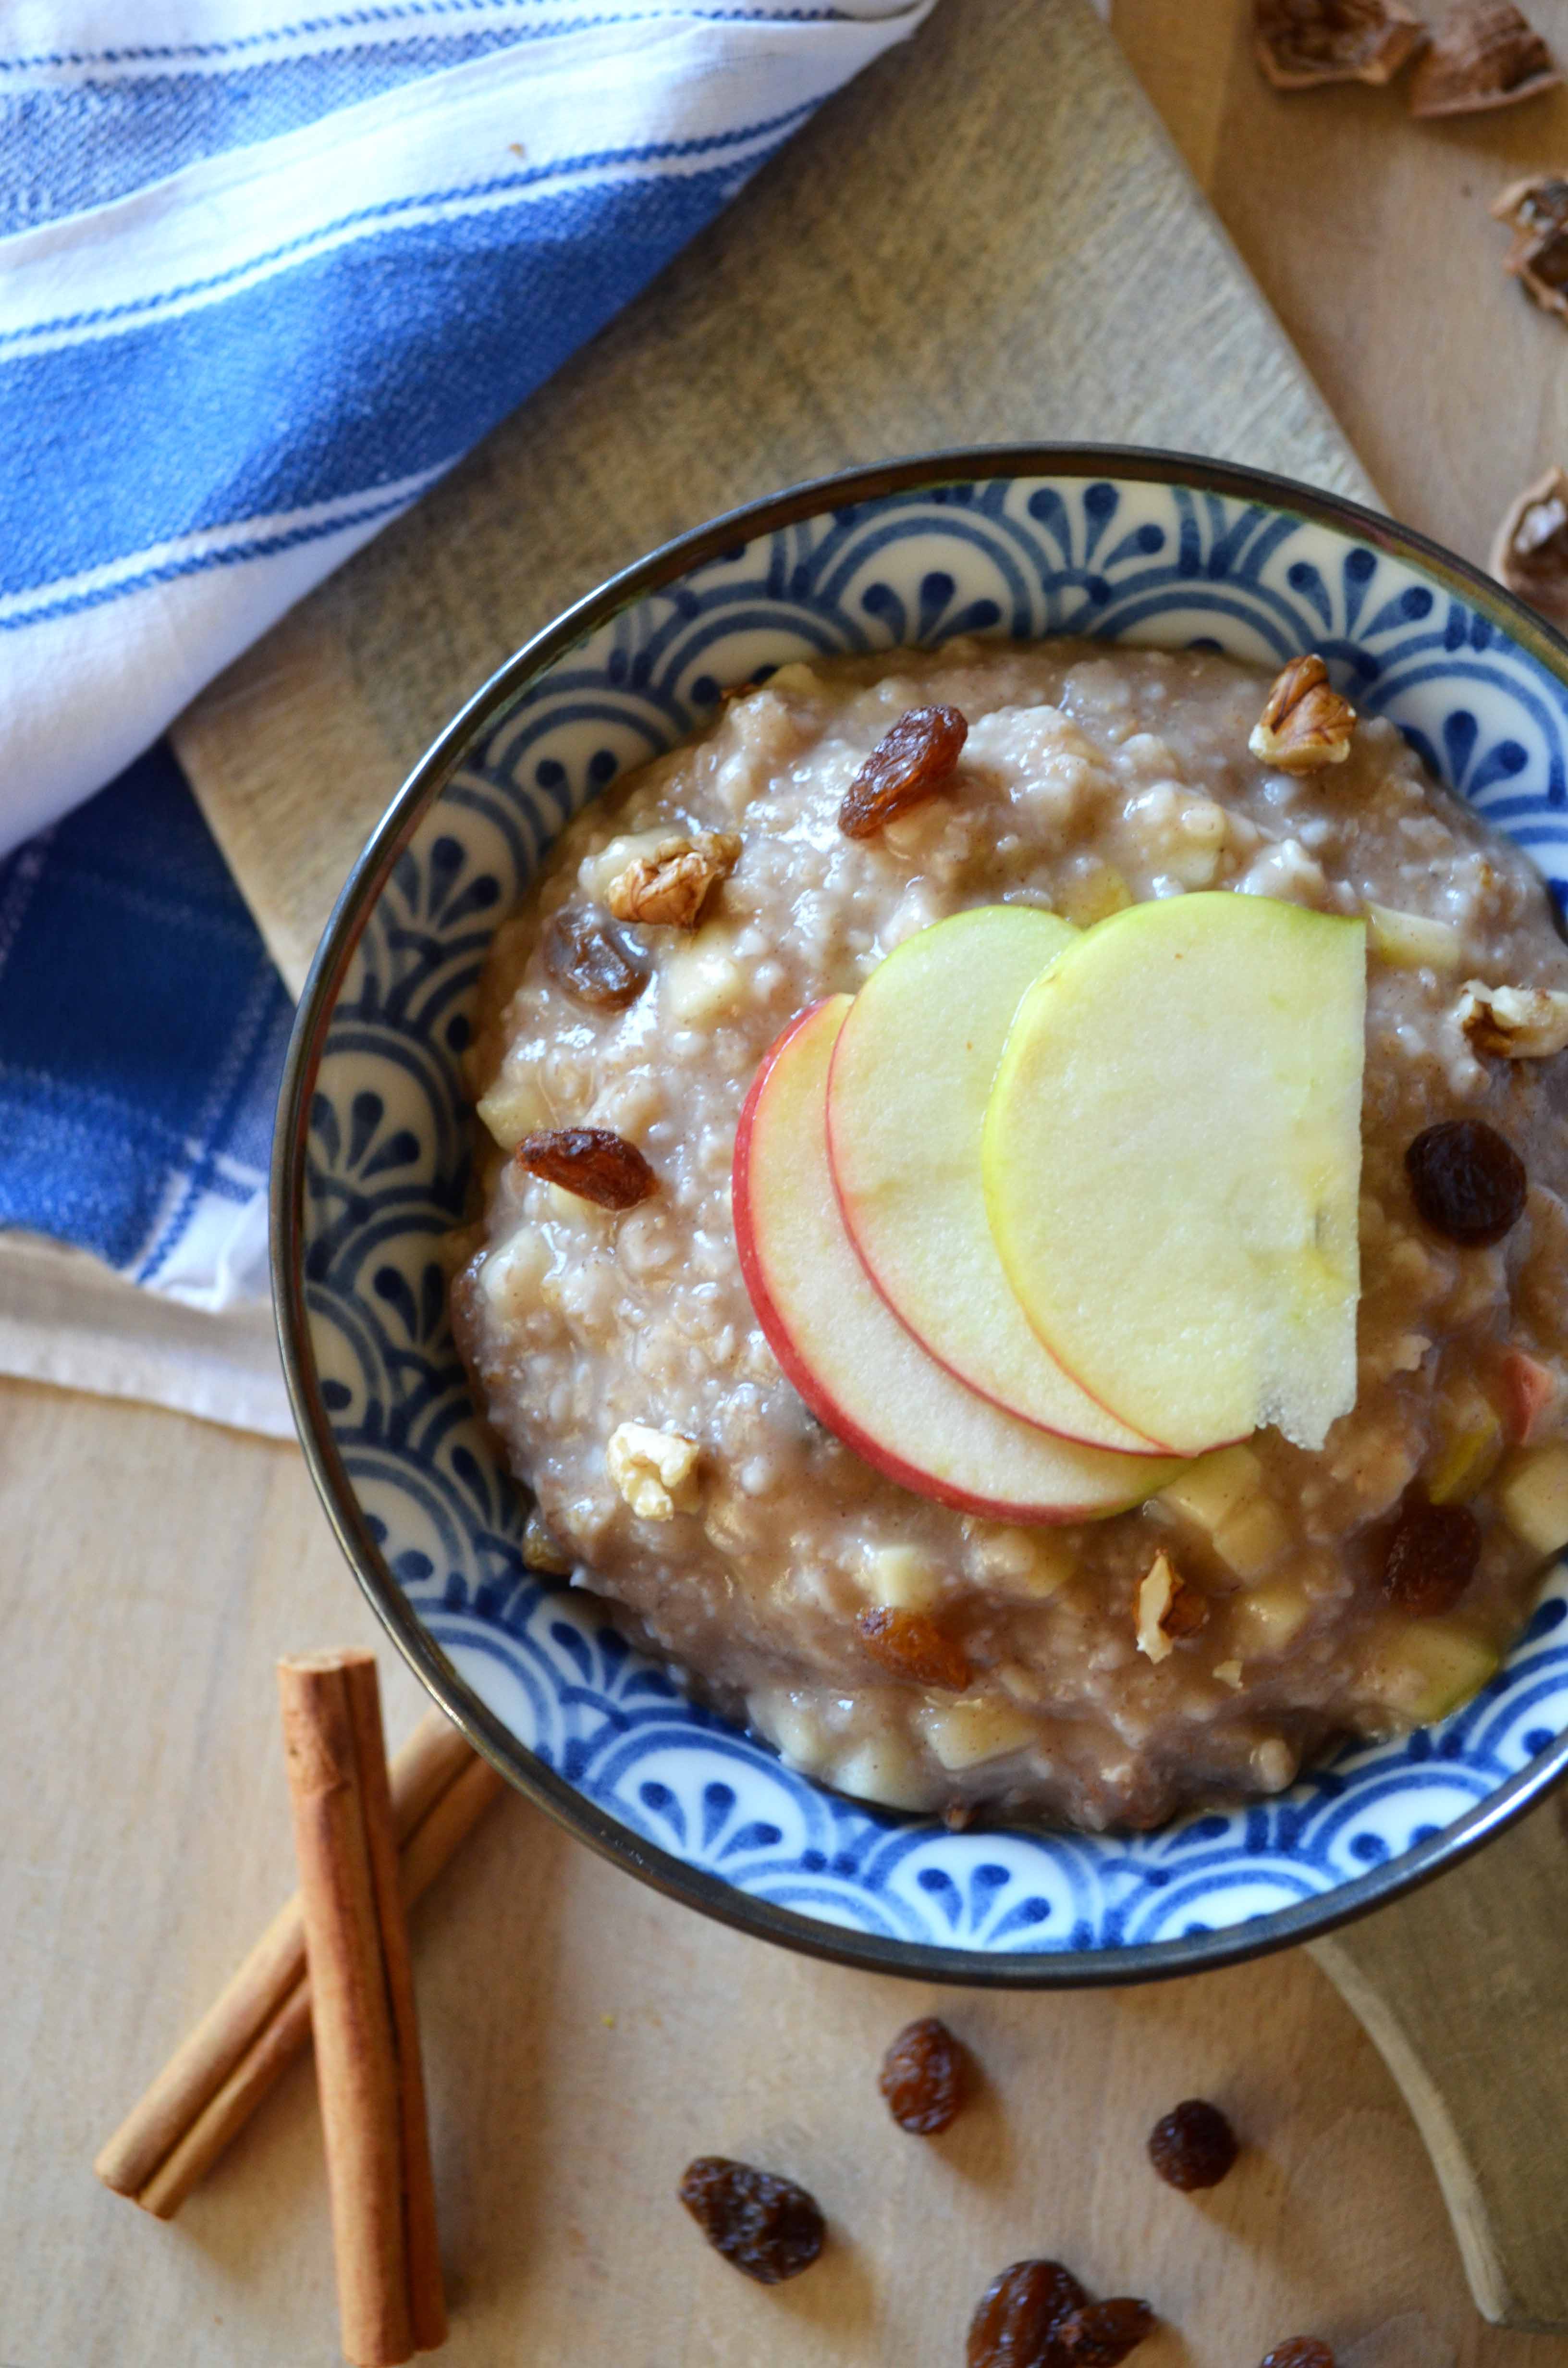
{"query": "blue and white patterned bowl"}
pixel 373 1160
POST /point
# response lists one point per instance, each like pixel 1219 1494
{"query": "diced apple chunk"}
pixel 1028 1563
pixel 1411 941
pixel 901 1577
pixel 1266 1618
pixel 1224 1494
pixel 1254 1536
pixel 514 1107
pixel 1470 1453
pixel 884 1769
pixel 1214 1487
pixel 793 1730
pixel 702 979
pixel 1425 1669
pixel 963 1734
pixel 1534 1496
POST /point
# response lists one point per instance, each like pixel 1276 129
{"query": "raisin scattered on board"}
pixel 591 1161
pixel 1101 2334
pixel 1015 2320
pixel 586 954
pixel 923 2078
pixel 1299 2352
pixel 1468 1184
pixel 766 2225
pixel 1194 2145
pixel 1431 1555
pixel 912 761
pixel 910 1645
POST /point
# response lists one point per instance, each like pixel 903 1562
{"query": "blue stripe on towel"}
pixel 436 304
pixel 141 1026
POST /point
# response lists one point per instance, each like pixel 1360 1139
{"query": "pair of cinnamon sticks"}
pixel 335 1961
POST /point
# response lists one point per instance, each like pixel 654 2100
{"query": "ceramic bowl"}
pixel 373 1153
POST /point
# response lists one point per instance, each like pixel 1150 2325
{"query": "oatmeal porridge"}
pixel 1266 1599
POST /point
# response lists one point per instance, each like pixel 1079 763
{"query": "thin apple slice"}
pixel 912 1074
pixel 846 1352
pixel 1172 1159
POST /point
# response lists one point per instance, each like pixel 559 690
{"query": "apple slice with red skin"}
pixel 845 1350
pixel 906 1097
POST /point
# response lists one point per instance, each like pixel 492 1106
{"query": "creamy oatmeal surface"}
pixel 1090 777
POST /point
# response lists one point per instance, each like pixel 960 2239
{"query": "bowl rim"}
pixel 922 1961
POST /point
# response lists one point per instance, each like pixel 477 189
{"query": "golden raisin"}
pixel 1194 2145
pixel 912 761
pixel 1431 1556
pixel 592 1161
pixel 1466 1183
pixel 912 1647
pixel 1015 2318
pixel 1101 2334
pixel 586 954
pixel 923 2078
pixel 764 2225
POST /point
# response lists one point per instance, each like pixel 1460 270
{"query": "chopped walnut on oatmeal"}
pixel 1521 1023
pixel 1304 725
pixel 1167 1608
pixel 656 1471
pixel 670 886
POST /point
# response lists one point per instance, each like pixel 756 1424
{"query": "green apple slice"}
pixel 912 1074
pixel 1172 1158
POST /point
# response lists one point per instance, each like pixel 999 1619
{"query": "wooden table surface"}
pixel 156 1567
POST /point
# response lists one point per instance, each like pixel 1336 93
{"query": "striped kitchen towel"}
pixel 266 280
pixel 265 274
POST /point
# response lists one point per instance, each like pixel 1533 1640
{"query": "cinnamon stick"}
pixel 366 2035
pixel 253 2032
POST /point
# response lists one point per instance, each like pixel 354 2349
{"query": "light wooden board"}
pixel 583 2038
pixel 1370 235
pixel 1369 232
pixel 986 237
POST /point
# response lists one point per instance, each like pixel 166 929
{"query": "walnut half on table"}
pixel 1530 553
pixel 1300 43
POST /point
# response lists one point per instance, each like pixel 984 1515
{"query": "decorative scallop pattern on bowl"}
pixel 378 1162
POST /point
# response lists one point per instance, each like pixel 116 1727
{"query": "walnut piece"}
pixel 1484 54
pixel 1167 1608
pixel 1537 212
pixel 1304 725
pixel 671 885
pixel 656 1471
pixel 1521 1023
pixel 1300 43
pixel 1531 554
